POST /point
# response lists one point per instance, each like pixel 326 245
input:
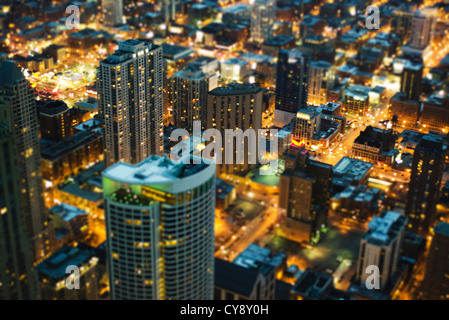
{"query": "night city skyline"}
pixel 224 150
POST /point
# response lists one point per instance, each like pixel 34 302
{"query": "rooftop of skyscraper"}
pixel 191 71
pixel 155 170
pixel 432 143
pixel 52 107
pixel 384 228
pixel 233 88
pixel 10 73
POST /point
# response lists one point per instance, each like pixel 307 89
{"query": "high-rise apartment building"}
pixel 112 12
pixel 130 101
pixel 18 109
pixel 291 86
pixel 423 23
pixel 169 9
pixel 263 15
pixel 401 24
pixel 235 106
pixel 160 229
pixel 189 90
pixel 436 278
pixel 425 183
pixel 381 247
pixel 16 268
pixel 321 79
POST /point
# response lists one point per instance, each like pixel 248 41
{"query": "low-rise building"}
pixel 226 194
pixel 375 145
pixel 71 155
pixel 71 224
pixel 356 100
pixel 407 111
pixel 54 275
pixel 237 282
pixel 350 171
pixel 357 203
pixel 435 114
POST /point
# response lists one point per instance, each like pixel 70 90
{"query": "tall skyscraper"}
pixel 16 269
pixel 425 183
pixel 381 246
pixel 321 79
pixel 411 79
pixel 401 24
pixel 112 12
pixel 436 279
pixel 262 20
pixel 130 101
pixel 160 229
pixel 18 109
pixel 291 86
pixel 190 88
pixel 423 23
pixel 235 106
pixel 169 10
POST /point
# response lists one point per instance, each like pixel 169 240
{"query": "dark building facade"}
pixel 436 279
pixel 291 85
pixel 435 114
pixel 304 195
pixel 407 111
pixel 16 273
pixel 425 182
pixel 54 120
pixel 18 107
pixel 411 79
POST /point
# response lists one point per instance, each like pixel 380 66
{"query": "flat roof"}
pixel 385 228
pixel 313 284
pixel 87 184
pixel 66 212
pixel 55 266
pixel 235 278
pixel 352 169
pixel 154 170
pixel 64 147
pixel 236 8
pixel 255 254
pixel 175 52
pixel 234 88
